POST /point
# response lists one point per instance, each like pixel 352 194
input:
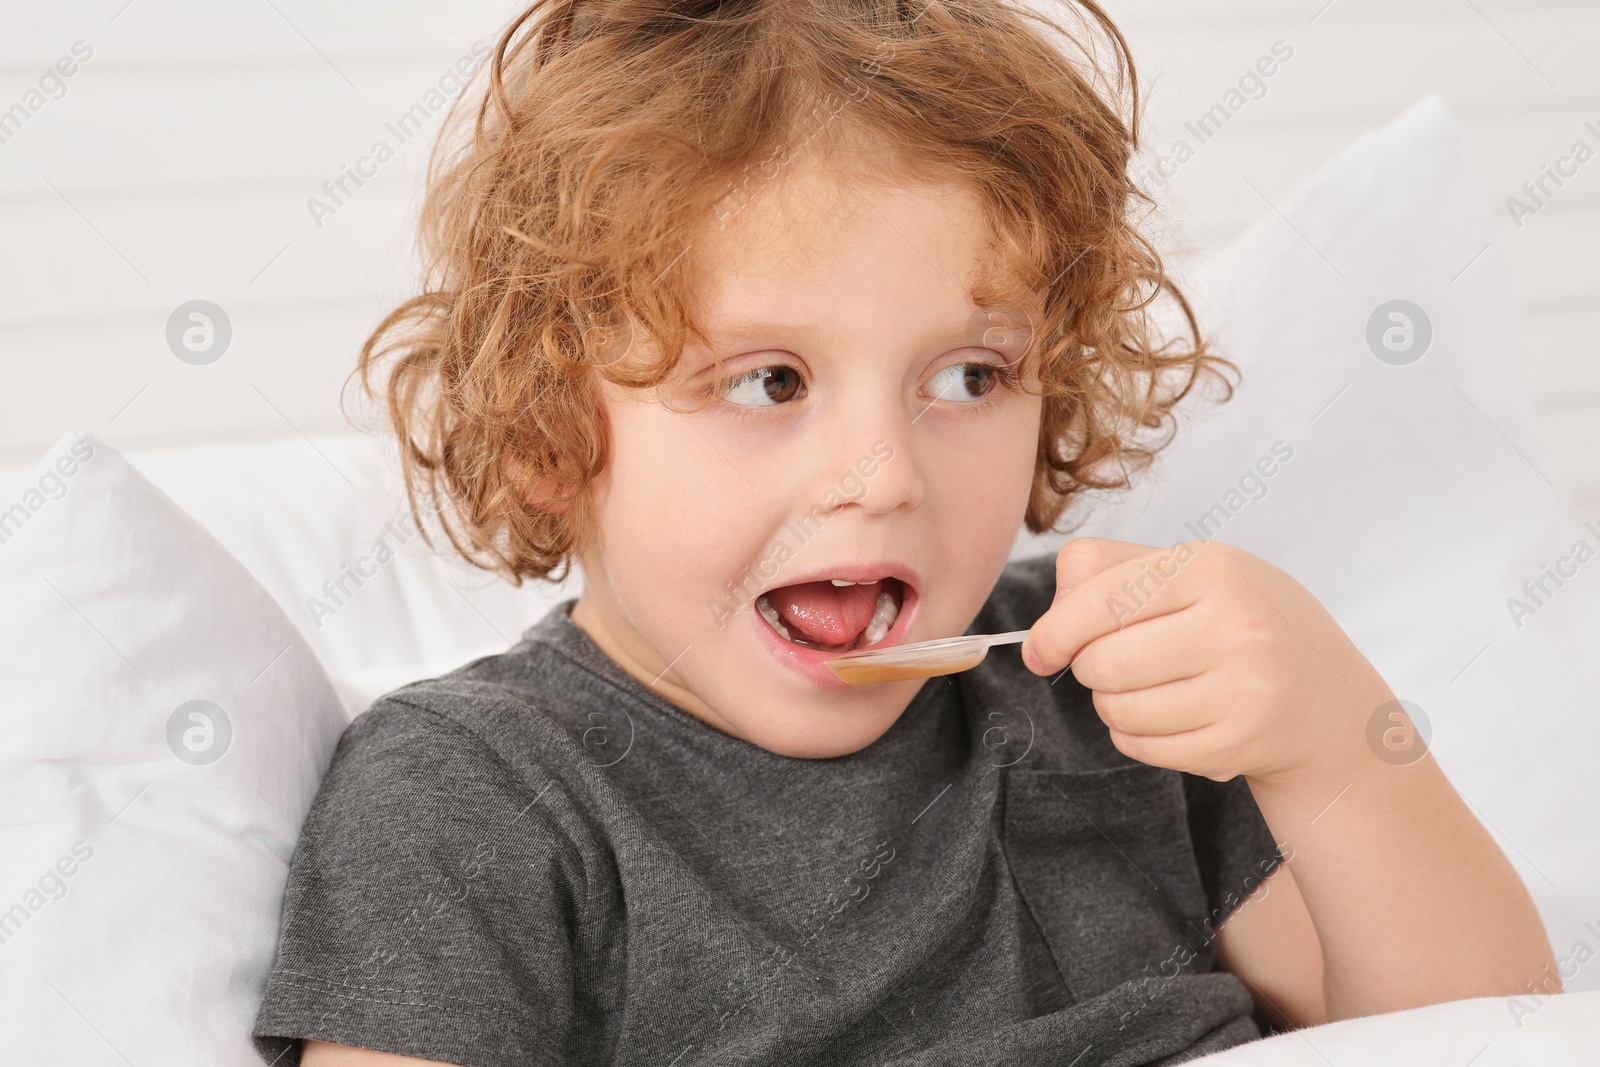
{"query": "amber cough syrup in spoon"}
pixel 924 659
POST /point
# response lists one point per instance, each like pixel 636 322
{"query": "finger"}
pixel 1167 648
pixel 1084 557
pixel 1158 711
pixel 1079 560
pixel 1189 751
pixel 1138 587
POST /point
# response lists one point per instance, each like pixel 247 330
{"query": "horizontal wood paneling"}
pixel 179 161
pixel 182 32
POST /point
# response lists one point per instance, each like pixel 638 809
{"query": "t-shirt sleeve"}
pixel 431 906
pixel 1233 845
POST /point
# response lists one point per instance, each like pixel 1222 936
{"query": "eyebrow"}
pixel 744 331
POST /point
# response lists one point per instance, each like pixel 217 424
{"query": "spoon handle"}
pixel 989 641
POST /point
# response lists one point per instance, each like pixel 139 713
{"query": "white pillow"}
pixel 320 522
pixel 143 852
pixel 303 513
pixel 1415 500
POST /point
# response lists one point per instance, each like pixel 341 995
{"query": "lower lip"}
pixel 811 663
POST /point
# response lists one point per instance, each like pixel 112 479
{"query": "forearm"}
pixel 1413 901
pixel 1229 666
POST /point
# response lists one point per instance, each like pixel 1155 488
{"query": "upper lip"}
pixel 852 572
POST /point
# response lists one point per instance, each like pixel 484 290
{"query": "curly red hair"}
pixel 606 133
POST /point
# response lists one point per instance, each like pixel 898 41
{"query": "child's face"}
pixel 835 463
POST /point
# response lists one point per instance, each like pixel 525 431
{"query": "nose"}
pixel 873 459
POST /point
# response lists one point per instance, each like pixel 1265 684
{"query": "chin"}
pixel 824 726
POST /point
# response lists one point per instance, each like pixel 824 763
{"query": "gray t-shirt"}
pixel 536 860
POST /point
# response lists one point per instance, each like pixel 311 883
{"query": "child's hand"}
pixel 1206 659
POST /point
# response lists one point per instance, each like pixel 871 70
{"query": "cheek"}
pixel 981 499
pixel 991 471
pixel 672 511
pixel 645 473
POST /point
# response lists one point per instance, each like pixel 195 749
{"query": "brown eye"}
pixel 764 387
pixel 962 383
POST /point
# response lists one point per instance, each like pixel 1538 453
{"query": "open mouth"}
pixel 833 615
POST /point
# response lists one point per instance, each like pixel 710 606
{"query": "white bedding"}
pixel 1487 1032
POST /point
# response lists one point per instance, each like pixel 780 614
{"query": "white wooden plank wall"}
pixel 1521 79
pixel 178 160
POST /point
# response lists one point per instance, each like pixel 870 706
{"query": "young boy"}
pixel 782 319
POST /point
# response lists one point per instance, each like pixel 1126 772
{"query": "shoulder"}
pixel 503 707
pixel 453 855
pixel 428 793
pixel 465 751
pixel 417 750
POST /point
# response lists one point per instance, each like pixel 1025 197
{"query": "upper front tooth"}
pixel 841 581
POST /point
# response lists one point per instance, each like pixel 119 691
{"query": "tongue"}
pixel 824 613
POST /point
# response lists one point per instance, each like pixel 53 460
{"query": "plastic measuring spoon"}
pixel 923 659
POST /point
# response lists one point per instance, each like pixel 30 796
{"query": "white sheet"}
pixel 1486 1032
